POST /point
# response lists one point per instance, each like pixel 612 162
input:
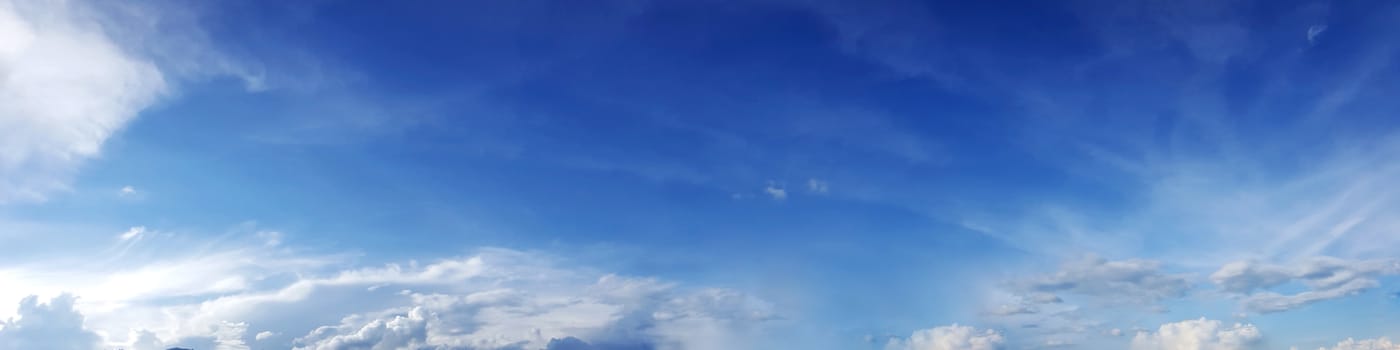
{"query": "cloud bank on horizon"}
pixel 678 175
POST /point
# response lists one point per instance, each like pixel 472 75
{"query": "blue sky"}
pixel 756 174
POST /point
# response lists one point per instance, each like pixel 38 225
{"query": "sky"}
pixel 699 174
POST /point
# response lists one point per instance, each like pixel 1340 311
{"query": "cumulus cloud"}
pixel 1123 281
pixel 229 336
pixel 954 337
pixel 408 331
pixel 1364 344
pixel 1325 278
pixel 65 88
pixel 53 325
pixel 1201 334
pixel 493 299
pixel 624 312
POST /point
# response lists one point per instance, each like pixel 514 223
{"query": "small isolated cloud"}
pixel 818 186
pixel 1013 309
pixel 54 325
pixel 127 191
pixel 264 335
pixel 1325 278
pixel 133 233
pixel 1315 31
pixel 777 193
pixel 1124 281
pixel 954 337
pixel 1365 344
pixel 1200 334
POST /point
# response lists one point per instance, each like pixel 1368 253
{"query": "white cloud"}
pixel 133 233
pixel 1314 32
pixel 127 191
pixel 612 310
pixel 408 331
pixel 229 336
pixel 1325 278
pixel 818 186
pixel 65 88
pixel 144 340
pixel 1201 334
pixel 777 193
pixel 954 337
pixel 1122 281
pixel 264 335
pixel 146 295
pixel 54 325
pixel 1365 344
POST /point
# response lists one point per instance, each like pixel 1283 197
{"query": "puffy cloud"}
pixel 229 336
pixel 1201 334
pixel 1325 277
pixel 408 331
pixel 1122 281
pixel 145 340
pixel 623 312
pixel 143 296
pixel 65 88
pixel 1365 344
pixel 954 337
pixel 55 325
